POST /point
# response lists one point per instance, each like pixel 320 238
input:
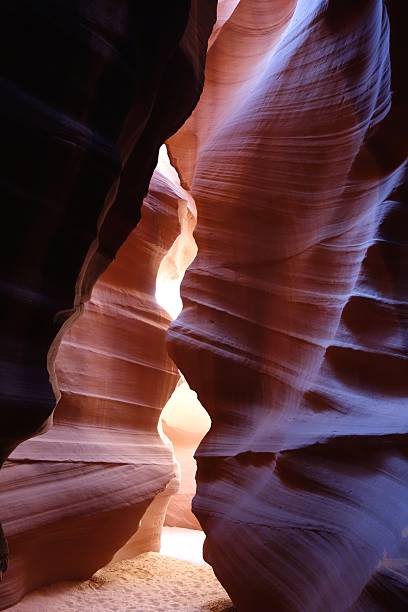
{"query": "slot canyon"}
pixel 204 306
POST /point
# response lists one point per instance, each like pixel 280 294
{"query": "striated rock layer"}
pixel 84 113
pixel 294 328
pixel 89 480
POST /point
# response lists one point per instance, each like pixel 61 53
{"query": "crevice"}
pixel 183 420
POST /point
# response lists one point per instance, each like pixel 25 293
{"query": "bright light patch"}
pixel 184 249
pixel 184 413
pixel 168 295
pixel 182 543
pixel 183 419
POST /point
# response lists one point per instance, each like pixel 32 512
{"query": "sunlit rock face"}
pixel 293 332
pixel 85 111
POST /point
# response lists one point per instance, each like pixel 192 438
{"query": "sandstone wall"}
pixel 85 108
pixel 293 331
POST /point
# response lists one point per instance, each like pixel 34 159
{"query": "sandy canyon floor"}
pixel 152 582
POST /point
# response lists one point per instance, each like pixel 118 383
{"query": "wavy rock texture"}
pixel 294 328
pixel 89 480
pixel 84 113
pixel 294 325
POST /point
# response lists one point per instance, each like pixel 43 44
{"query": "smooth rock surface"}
pixel 294 328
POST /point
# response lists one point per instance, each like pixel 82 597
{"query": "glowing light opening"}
pixel 183 418
pixel 184 249
pixel 186 544
pixel 168 295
